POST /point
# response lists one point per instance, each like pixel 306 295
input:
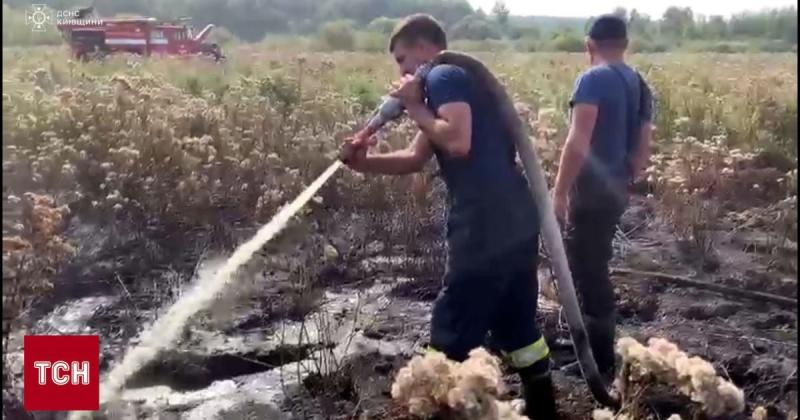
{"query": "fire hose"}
pixel 491 88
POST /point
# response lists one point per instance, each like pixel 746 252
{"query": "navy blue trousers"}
pixel 499 297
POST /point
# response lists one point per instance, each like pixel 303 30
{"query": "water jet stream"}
pixel 165 331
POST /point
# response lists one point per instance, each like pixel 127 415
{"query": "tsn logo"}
pixel 80 373
pixel 61 372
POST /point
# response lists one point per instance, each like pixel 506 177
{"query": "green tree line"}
pixel 679 25
pixel 353 24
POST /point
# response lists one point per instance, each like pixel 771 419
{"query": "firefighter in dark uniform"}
pixel 606 149
pixel 492 226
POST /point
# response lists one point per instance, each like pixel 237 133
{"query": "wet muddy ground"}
pixel 305 337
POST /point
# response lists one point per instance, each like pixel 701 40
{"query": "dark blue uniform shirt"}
pixel 491 209
pixel 624 102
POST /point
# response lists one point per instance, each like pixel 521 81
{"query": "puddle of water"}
pixel 72 317
pixel 263 390
pixel 336 321
pixel 163 396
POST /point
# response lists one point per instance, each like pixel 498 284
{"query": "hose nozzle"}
pixel 391 108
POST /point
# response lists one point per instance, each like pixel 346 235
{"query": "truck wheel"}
pixel 215 55
pixel 99 55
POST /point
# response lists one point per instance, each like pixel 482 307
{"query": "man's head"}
pixel 608 38
pixel 416 40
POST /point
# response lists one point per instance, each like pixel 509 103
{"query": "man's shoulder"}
pixel 597 72
pixel 606 77
pixel 446 68
pixel 447 83
pixel 446 72
pixel 593 79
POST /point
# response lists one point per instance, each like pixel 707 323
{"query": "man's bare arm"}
pixel 576 148
pixel 401 162
pixel 642 154
pixel 451 131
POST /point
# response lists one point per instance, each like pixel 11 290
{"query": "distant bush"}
pixel 382 25
pixel 720 47
pixel 475 29
pixel 741 46
pixel 488 45
pixel 527 44
pixel 776 45
pixel 520 32
pixel 338 36
pixel 567 42
pixel 287 42
pixel 223 37
pixel 644 46
pixel 372 41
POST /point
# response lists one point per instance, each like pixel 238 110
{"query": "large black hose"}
pixel 550 230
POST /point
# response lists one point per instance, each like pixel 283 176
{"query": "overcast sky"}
pixel 654 8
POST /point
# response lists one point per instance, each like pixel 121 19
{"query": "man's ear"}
pixel 427 49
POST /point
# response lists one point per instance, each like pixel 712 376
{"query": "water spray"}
pixel 164 333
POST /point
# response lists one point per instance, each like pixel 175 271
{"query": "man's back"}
pixel 491 209
pixel 606 146
pixel 492 151
pixel 622 102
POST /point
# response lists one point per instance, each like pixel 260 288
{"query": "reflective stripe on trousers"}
pixel 520 358
pixel 528 355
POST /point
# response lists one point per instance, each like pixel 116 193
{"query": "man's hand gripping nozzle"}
pixel 389 110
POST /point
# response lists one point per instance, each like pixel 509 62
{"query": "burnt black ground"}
pixel 753 344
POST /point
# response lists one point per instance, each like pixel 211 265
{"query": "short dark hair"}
pixel 609 32
pixel 608 28
pixel 418 27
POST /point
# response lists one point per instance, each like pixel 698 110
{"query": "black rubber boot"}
pixel 539 394
pixel 602 334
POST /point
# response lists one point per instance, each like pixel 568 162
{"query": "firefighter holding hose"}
pixel 492 226
pixel 606 149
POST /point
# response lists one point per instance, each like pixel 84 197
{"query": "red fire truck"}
pixel 90 37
